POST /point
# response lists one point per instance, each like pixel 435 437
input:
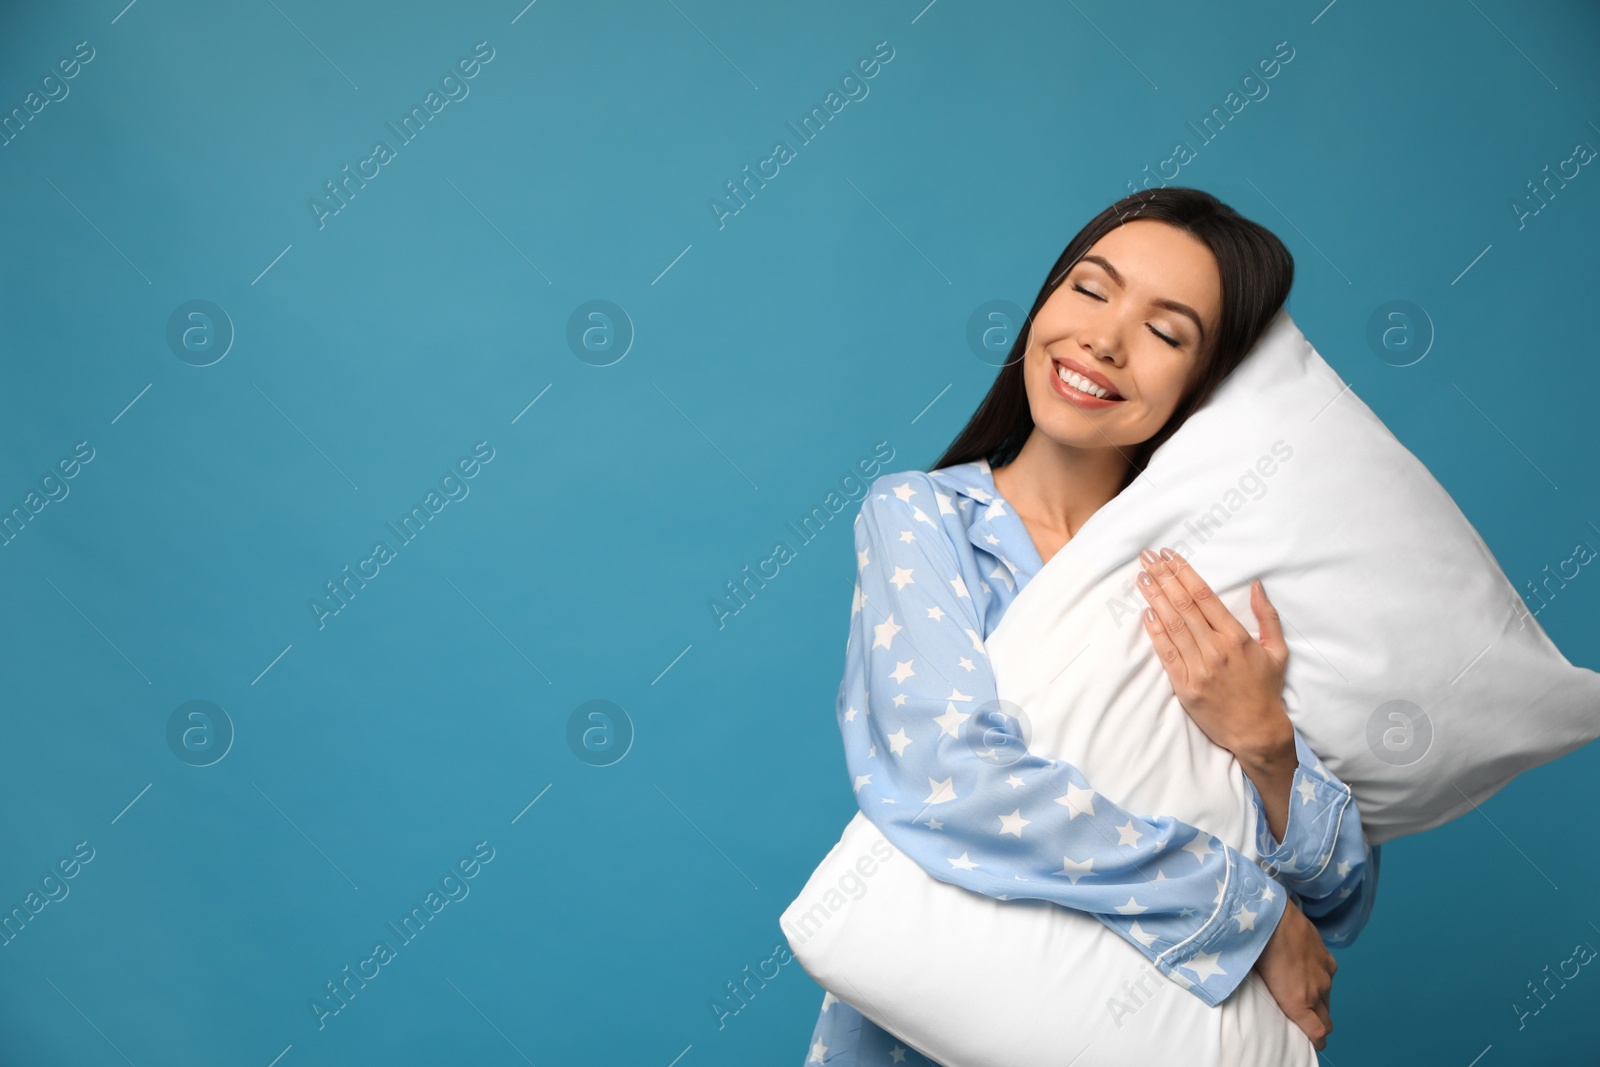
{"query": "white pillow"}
pixel 1415 673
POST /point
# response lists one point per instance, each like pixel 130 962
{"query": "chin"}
pixel 1071 430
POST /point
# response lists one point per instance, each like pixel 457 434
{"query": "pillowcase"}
pixel 1415 672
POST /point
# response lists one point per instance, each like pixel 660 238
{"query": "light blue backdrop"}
pixel 241 453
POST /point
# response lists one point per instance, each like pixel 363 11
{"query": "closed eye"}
pixel 1171 341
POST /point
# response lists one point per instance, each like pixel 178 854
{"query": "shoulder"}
pixel 903 493
pixel 916 501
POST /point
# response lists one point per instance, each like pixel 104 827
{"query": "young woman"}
pixel 1146 311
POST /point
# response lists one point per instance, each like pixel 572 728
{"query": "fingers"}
pixel 1166 651
pixel 1206 601
pixel 1271 624
pixel 1324 1016
pixel 1186 604
pixel 1172 624
pixel 1316 1023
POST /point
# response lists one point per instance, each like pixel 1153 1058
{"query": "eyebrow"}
pixel 1160 301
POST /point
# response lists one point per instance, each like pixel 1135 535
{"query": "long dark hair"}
pixel 1257 273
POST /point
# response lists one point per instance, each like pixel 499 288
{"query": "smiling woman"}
pixel 1145 313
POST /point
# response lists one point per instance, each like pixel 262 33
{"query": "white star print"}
pixel 819 1052
pixel 884 632
pixel 1200 846
pixel 1204 965
pixel 950 722
pixel 976 543
pixel 1079 800
pixel 1075 870
pixel 1004 577
pixel 1013 823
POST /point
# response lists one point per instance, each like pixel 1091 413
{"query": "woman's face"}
pixel 1129 316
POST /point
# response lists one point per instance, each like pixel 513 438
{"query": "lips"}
pixel 1059 362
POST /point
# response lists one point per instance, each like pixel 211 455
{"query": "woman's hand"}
pixel 1298 970
pixel 1230 683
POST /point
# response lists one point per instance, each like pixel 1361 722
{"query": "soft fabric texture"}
pixel 940 556
pixel 1415 672
pixel 1392 602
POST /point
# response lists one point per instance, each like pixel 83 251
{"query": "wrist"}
pixel 1271 752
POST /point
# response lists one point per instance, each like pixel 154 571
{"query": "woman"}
pixel 1147 310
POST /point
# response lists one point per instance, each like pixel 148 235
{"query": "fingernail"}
pixel 1145 579
pixel 1150 615
pixel 1148 556
pixel 1166 553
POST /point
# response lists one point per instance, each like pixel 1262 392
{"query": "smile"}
pixel 1081 390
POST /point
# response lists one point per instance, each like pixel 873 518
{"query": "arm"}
pixel 1323 857
pixel 1232 684
pixel 1019 825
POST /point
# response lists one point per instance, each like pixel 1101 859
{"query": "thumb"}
pixel 1271 626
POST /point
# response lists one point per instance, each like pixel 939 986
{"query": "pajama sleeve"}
pixel 1324 858
pixel 972 806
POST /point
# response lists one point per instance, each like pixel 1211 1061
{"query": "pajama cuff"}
pixel 1316 810
pixel 1220 956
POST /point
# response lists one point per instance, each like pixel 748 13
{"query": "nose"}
pixel 1102 341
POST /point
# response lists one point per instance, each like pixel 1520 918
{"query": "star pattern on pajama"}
pixel 927 593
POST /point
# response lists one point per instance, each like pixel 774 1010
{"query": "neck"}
pixel 1059 486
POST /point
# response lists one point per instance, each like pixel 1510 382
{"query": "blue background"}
pixel 765 357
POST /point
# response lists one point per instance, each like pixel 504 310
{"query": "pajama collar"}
pixel 987 516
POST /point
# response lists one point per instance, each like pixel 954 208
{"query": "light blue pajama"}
pixel 940 557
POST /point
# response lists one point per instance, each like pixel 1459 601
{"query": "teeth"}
pixel 1080 383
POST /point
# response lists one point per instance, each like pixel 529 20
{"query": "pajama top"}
pixel 940 556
